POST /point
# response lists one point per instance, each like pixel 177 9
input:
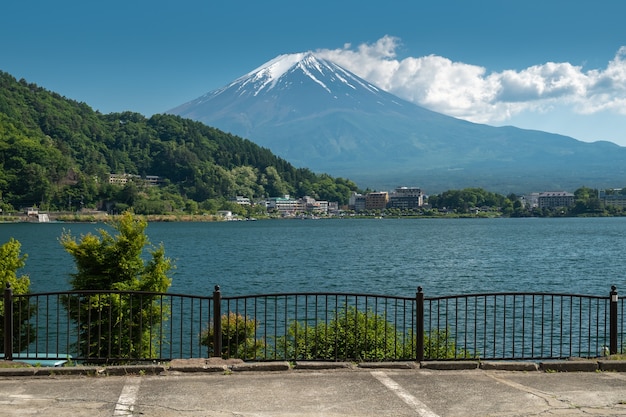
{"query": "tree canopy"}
pixel 109 262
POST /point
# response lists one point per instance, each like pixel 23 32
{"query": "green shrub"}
pixel 440 344
pixel 351 335
pixel 238 337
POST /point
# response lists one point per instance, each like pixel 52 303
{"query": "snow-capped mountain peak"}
pixel 275 68
pixel 276 89
pixel 318 70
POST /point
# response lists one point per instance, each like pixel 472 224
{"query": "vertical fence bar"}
pixel 419 324
pixel 613 321
pixel 217 322
pixel 8 323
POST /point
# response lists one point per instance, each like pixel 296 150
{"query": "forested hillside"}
pixel 57 154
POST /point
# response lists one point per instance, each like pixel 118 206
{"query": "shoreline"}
pixel 99 217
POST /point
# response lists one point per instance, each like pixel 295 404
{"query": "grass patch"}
pixel 11 364
pixel 617 357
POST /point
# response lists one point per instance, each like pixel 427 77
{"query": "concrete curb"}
pixel 50 371
pixel 261 366
pixel 131 370
pixel 569 366
pixel 612 366
pixel 200 365
pixel 203 365
pixel 449 365
pixel 314 365
pixel 509 366
pixel 388 365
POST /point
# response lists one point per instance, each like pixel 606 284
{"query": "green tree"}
pixel 276 186
pixel 10 262
pixel 586 202
pixel 246 182
pixel 117 325
pixel 463 200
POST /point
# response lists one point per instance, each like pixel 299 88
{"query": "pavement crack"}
pixel 551 400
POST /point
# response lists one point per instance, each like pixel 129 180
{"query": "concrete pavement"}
pixel 216 388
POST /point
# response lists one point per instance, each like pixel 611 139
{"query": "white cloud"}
pixel 470 92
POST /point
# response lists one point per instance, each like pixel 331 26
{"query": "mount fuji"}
pixel 316 114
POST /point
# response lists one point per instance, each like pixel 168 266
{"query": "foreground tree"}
pixel 117 325
pixel 10 262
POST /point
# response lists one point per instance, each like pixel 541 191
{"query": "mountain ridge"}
pixel 317 114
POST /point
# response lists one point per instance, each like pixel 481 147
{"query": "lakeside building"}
pixel 376 200
pixel 316 206
pixel 401 198
pixel 289 207
pixel 530 201
pixel 553 199
pixel 226 214
pixel 356 202
pixel 547 199
pixel 285 205
pixel 406 198
pixel 613 197
pixel 333 207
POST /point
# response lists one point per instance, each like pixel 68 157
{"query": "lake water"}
pixel 389 257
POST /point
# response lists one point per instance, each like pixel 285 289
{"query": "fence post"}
pixel 8 323
pixel 613 321
pixel 419 324
pixel 217 322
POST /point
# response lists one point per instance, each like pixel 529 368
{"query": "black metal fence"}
pixel 114 326
pixel 528 325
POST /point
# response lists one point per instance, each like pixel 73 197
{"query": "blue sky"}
pixel 554 65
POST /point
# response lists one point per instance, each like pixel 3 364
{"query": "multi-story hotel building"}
pixel 376 200
pixel 406 198
pixel 552 199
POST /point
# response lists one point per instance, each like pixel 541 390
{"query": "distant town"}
pixel 407 199
pixel 400 201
